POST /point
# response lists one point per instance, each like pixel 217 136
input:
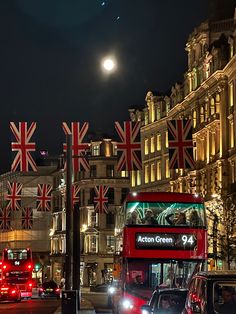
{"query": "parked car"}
pixel 103 287
pixel 10 292
pixel 212 292
pixel 49 289
pixel 171 300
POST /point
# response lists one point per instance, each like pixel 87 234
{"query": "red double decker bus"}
pixel 17 267
pixel 164 242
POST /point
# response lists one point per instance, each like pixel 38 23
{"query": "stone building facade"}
pixel 37 237
pixel 96 229
pixel 207 96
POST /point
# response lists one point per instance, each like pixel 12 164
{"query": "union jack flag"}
pixel 129 149
pixel 180 144
pixel 13 197
pixel 5 219
pixel 75 194
pixel 44 197
pixel 100 199
pixel 78 148
pixel 27 218
pixel 23 160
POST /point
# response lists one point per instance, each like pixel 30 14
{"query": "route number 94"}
pixel 188 240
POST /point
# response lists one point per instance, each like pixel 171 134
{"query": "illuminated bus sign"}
pixel 165 241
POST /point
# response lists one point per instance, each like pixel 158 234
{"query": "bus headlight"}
pixel 111 290
pixel 127 304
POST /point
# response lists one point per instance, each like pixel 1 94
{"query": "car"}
pixel 169 300
pixel 212 292
pixel 49 289
pixel 103 287
pixel 10 292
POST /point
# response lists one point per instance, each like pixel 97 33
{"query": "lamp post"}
pixel 69 222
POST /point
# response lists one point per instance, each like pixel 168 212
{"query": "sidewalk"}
pixel 86 307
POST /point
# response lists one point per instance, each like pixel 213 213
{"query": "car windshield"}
pixel 224 297
pixel 49 284
pixel 171 301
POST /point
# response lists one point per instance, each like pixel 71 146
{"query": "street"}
pixel 34 306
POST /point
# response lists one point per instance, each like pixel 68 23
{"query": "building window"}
pixel 158 109
pixel 91 243
pixel 138 172
pixel 158 142
pixel 231 126
pixel 124 174
pixel 96 150
pixel 146 174
pixel 231 94
pixel 212 110
pixel 92 218
pixel 115 149
pixel 194 119
pixel 93 171
pixel 133 178
pixel 110 244
pixel 110 171
pixel 146 146
pixel 110 219
pixel 167 142
pixel 167 169
pixel 152 144
pixel 158 170
pixel 152 172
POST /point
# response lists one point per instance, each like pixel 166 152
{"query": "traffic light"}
pixel 37 266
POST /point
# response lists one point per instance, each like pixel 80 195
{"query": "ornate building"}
pixel 96 228
pixel 33 230
pixel 207 96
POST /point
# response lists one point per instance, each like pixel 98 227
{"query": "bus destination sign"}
pixel 165 241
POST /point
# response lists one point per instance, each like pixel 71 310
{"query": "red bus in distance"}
pixel 163 241
pixel 17 267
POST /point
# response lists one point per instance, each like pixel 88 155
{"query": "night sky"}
pixel 50 61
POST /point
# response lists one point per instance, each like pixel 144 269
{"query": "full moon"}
pixel 108 64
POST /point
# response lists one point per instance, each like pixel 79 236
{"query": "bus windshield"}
pixel 16 255
pixel 157 273
pixel 165 214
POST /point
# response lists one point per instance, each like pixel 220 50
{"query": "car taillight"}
pixel 13 291
pixel 29 266
pixel 30 285
pixel 41 289
pixel 57 290
pixel 4 267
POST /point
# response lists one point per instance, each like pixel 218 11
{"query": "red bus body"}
pixel 17 267
pixel 156 251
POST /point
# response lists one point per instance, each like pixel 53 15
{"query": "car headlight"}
pixel 111 290
pixel 145 312
pixel 127 304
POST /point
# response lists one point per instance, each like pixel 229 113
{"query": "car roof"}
pixel 171 291
pixel 217 274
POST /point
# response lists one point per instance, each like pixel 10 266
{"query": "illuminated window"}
pixel 194 118
pixel 231 126
pixel 158 141
pixel 212 106
pixel 167 142
pixel 152 144
pixel 167 169
pixel 146 174
pixel 151 112
pixel 138 177
pixel 152 172
pixel 231 94
pixel 158 170
pixel 124 174
pixel 132 178
pixel 202 114
pixel 96 150
pixel 91 243
pixel 146 146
